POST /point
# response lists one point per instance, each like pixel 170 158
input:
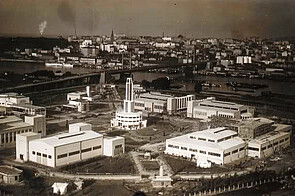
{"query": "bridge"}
pixel 98 77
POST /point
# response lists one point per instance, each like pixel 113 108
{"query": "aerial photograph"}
pixel 147 97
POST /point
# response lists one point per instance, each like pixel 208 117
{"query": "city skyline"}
pixel 210 18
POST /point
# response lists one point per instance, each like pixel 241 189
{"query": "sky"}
pixel 191 18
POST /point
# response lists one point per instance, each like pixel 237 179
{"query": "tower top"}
pixel 112 36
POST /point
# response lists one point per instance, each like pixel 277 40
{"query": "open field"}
pixel 117 165
pixel 150 165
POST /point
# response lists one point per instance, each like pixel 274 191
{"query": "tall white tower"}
pixel 128 119
pixel 128 102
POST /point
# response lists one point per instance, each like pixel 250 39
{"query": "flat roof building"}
pixel 10 126
pixel 20 104
pixel 113 146
pixel 78 144
pixel 65 148
pixel 219 146
pixel 209 107
pixel 9 175
pixel 273 141
pixel 161 103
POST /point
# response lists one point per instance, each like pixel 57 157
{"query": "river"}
pixel 280 87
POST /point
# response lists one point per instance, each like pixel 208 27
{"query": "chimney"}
pixel 88 91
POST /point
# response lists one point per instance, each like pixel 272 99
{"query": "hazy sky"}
pixel 198 18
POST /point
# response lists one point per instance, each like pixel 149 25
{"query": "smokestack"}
pixel 88 91
pixel 161 171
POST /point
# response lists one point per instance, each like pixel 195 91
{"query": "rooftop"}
pixel 149 100
pixel 7 170
pixel 268 137
pixel 215 134
pixel 195 143
pixel 68 138
pixel 28 134
pixel 157 96
pixel 220 104
pixel 9 119
pixel 14 125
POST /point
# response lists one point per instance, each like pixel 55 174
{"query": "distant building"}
pixel 219 146
pixel 20 105
pixel 10 175
pixel 244 60
pixel 79 100
pixel 267 144
pixel 264 137
pixel 210 107
pixel 12 125
pixel 128 119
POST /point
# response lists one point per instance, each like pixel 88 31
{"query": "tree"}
pixel 145 84
pixel 198 87
pixel 161 83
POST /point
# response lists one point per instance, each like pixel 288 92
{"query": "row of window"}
pixel 118 146
pixel 159 107
pixel 43 155
pixel 199 113
pixel 11 137
pixel 274 144
pixel 225 116
pixel 215 106
pixel 131 117
pixel 68 154
pixel 78 152
pixel 227 138
pixel 234 151
pixel 194 150
pixel 139 104
pixel 202 139
pixel 130 121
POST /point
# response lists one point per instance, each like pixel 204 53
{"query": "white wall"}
pixel 109 145
pixel 76 127
pixel 22 145
pixel 41 147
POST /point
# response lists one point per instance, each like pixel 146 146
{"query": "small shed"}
pixel 9 174
pixel 60 188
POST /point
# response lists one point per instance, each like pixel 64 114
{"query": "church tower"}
pixel 112 36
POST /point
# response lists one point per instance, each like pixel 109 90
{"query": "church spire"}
pixel 112 36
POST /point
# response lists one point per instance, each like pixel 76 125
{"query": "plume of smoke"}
pixel 42 27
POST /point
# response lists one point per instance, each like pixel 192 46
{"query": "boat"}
pixel 57 65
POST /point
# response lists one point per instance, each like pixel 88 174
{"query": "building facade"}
pixel 219 146
pixel 161 103
pixel 113 146
pixel 10 126
pixel 20 105
pixel 210 107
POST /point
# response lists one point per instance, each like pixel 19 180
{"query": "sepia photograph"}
pixel 147 97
